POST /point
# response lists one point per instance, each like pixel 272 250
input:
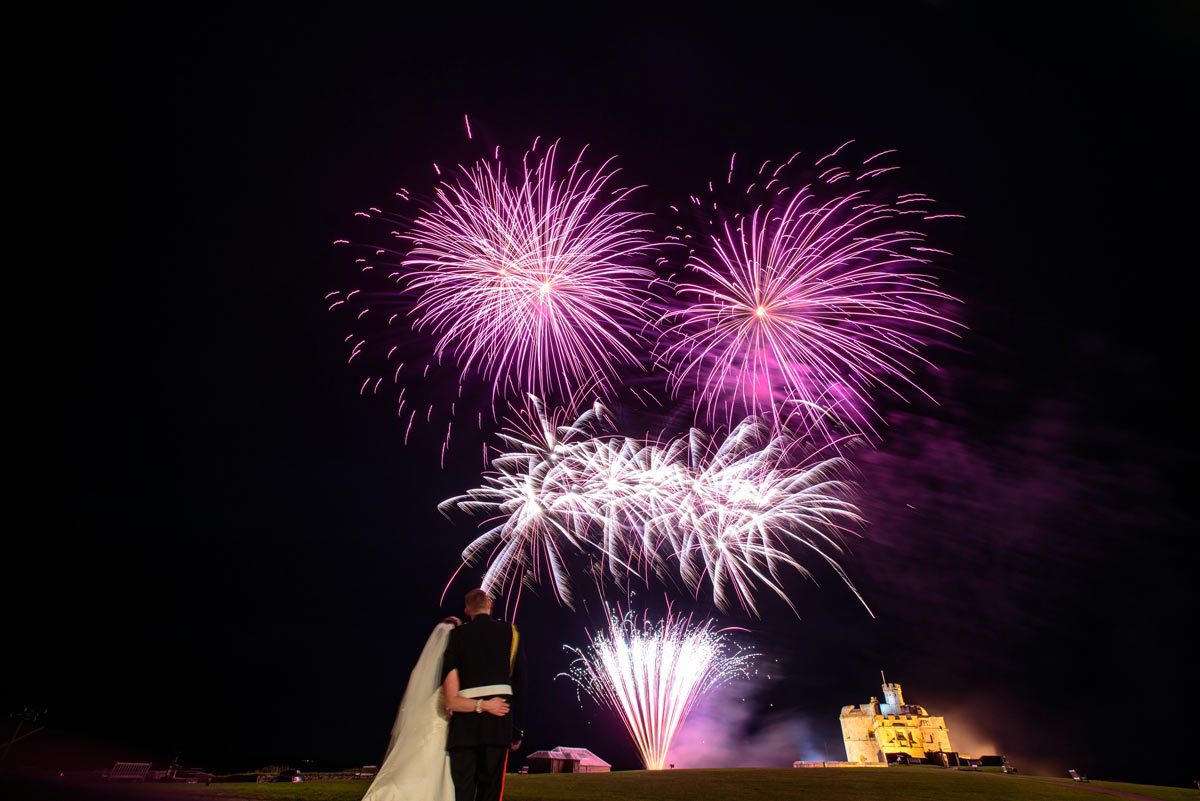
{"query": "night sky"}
pixel 217 548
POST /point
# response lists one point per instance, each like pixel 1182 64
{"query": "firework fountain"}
pixel 653 675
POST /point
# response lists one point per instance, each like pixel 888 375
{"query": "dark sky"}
pixel 217 547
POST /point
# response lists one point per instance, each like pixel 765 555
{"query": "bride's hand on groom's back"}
pixel 496 706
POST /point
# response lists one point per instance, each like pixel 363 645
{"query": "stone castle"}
pixel 893 731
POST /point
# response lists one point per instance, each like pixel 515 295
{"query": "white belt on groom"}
pixel 486 690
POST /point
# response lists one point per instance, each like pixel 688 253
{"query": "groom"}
pixel 483 673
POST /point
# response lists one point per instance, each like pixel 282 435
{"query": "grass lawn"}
pixel 754 784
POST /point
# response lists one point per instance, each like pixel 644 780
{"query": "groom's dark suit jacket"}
pixel 480 650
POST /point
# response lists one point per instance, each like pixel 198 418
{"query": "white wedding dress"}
pixel 417 767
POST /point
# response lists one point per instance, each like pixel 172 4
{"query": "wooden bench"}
pixel 1076 776
pixel 366 772
pixel 127 772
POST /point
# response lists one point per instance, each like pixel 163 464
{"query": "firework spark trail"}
pixel 653 675
pixel 798 309
pixel 733 514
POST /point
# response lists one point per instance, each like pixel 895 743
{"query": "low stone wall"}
pixel 839 764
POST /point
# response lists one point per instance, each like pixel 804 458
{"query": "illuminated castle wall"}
pixel 873 730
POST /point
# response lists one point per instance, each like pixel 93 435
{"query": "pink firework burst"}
pixel 800 308
pixel 532 280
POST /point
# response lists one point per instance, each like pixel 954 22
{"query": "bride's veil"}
pixel 425 681
pixel 415 765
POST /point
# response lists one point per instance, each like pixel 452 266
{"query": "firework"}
pixel 515 280
pixel 732 514
pixel 797 309
pixel 653 675
pixel 744 510
pixel 523 495
pixel 533 280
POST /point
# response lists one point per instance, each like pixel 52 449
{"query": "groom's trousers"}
pixel 478 772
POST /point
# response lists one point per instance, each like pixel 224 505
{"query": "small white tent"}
pixel 567 760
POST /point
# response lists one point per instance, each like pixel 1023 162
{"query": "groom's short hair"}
pixel 477 601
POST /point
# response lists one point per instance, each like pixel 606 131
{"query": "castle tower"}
pixel 877 733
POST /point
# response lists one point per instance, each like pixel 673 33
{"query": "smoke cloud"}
pixel 729 729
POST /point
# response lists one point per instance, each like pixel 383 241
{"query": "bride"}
pixel 416 765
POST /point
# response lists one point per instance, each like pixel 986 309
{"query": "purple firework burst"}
pixel 522 280
pixel 797 309
pixel 532 280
